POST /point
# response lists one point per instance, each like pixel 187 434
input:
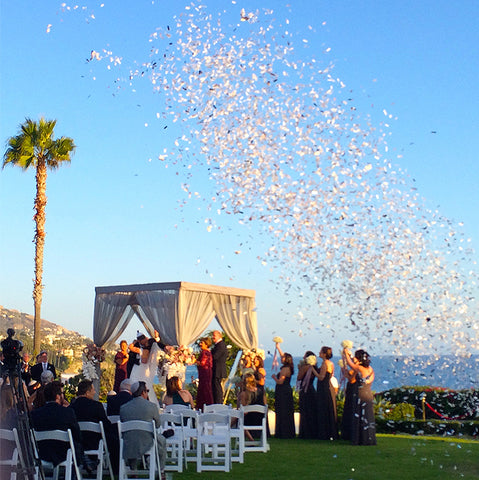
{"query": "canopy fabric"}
pixel 179 311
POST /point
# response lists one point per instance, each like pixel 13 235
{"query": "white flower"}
pixel 347 344
pixel 277 340
pixel 341 363
pixel 310 360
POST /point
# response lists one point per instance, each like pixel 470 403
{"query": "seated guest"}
pixel 137 443
pixel 8 412
pixel 251 395
pixel 89 410
pixel 175 394
pixel 37 398
pixel 52 416
pixel 114 402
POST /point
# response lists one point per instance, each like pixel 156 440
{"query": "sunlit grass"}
pixel 399 457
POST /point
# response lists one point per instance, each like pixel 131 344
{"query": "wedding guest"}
pixel 220 355
pixel 26 369
pixel 364 426
pixel 42 365
pixel 250 394
pixel 283 397
pixel 350 398
pixel 121 361
pixel 308 402
pixel 113 403
pixel 175 394
pixel 8 412
pixel 204 363
pixel 259 374
pixel 326 394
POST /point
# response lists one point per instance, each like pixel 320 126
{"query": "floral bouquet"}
pixel 182 354
pixel 173 362
pixel 346 344
pixel 277 340
pixel 91 358
pixel 310 360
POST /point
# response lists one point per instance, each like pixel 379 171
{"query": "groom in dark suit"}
pixel 220 355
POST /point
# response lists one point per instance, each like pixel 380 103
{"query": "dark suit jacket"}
pixel 37 370
pixel 114 402
pixel 220 355
pixel 87 410
pixel 55 417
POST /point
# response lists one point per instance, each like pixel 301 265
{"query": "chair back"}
pixel 176 408
pixel 216 408
pixel 8 437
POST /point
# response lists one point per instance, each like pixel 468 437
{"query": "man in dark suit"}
pixel 89 410
pixel 114 402
pixel 52 416
pixel 42 364
pixel 220 355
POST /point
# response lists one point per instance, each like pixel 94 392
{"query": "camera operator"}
pixel 11 353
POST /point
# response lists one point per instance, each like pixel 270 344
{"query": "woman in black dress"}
pixel 308 403
pixel 350 400
pixel 327 428
pixel 283 398
pixel 364 426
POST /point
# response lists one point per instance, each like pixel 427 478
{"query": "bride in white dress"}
pixel 147 370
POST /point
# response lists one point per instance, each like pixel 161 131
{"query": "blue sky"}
pixel 113 215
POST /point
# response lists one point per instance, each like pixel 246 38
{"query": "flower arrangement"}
pixel 254 352
pixel 182 354
pixel 173 362
pixel 310 360
pixel 91 358
pixel 277 340
pixel 93 353
pixel 347 344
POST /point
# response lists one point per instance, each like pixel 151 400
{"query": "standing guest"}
pixel 89 410
pixel 175 394
pixel 259 374
pixel 8 412
pixel 121 361
pixel 247 364
pixel 42 365
pixel 327 428
pixel 26 369
pixel 204 363
pixel 251 395
pixel 350 399
pixel 308 402
pixel 114 402
pixel 137 443
pixel 364 426
pixel 283 397
pixel 52 416
pixel 220 355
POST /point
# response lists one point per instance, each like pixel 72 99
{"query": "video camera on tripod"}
pixel 11 352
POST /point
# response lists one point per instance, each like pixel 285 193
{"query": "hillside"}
pixel 52 333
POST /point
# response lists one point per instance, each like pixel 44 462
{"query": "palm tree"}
pixel 35 147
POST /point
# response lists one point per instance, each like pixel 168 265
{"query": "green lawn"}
pixel 395 457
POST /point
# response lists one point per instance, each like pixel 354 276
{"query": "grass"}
pixel 400 457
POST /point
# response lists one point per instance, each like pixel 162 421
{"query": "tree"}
pixel 34 147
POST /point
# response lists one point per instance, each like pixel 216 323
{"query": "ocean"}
pixel 447 371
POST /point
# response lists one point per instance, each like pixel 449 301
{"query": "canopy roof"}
pixel 179 311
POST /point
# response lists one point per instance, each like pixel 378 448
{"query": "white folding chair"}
pixel 174 444
pixel 114 418
pixel 151 466
pixel 216 408
pixel 70 461
pixel 101 452
pixel 261 444
pixel 190 433
pixel 176 408
pixel 237 435
pixel 214 442
pixel 7 443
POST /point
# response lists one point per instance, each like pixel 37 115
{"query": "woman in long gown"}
pixel 327 428
pixel 204 363
pixel 147 369
pixel 121 360
pixel 283 398
pixel 308 403
pixel 364 426
pixel 350 400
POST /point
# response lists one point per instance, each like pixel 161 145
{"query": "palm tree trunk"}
pixel 39 217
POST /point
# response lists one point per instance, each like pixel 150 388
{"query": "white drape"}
pixel 180 311
pixel 111 316
pixel 237 317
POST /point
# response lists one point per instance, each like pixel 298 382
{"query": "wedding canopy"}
pixel 179 311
